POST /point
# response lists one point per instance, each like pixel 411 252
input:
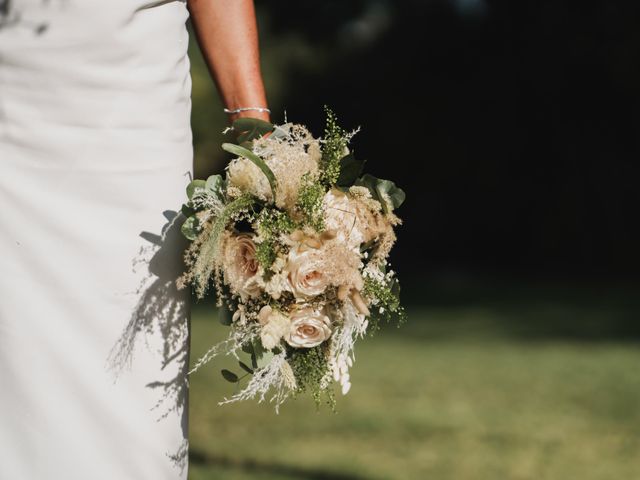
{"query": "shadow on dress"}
pixel 11 17
pixel 161 309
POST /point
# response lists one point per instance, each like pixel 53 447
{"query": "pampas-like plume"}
pixel 341 352
pixel 273 375
pixel 207 258
pixel 239 336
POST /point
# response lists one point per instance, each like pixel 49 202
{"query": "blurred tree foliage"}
pixel 511 125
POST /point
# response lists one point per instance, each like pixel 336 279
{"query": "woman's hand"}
pixel 228 37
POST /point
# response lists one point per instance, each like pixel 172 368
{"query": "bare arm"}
pixel 228 37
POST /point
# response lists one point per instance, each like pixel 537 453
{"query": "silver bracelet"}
pixel 244 109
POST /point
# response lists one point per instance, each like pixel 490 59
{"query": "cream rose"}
pixel 309 328
pixel 341 216
pixel 306 273
pixel 355 217
pixel 241 265
pixel 246 251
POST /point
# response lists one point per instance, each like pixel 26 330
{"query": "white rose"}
pixel 308 328
pixel 341 216
pixel 306 274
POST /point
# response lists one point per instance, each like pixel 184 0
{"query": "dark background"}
pixel 510 125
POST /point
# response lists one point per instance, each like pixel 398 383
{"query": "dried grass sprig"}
pixel 208 243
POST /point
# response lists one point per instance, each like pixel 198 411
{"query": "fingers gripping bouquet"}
pixel 295 241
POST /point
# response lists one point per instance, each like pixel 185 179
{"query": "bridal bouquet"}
pixel 294 240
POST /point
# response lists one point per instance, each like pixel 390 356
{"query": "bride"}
pixel 95 153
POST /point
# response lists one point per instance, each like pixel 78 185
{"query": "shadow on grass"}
pixel 202 458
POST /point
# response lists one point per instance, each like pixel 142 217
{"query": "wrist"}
pixel 262 113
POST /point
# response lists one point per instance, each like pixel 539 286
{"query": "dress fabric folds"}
pixel 95 154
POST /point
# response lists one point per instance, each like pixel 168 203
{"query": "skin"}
pixel 227 33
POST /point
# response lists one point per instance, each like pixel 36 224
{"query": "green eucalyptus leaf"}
pixel 191 188
pixel 186 210
pixel 246 368
pixel 251 128
pixel 216 186
pixel 225 316
pixel 190 228
pixel 249 155
pixel 279 132
pixel 350 169
pixel 385 191
pixel 390 195
pixel 229 376
pixel 368 181
pixel 254 360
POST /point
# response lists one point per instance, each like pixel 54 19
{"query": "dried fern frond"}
pixel 208 242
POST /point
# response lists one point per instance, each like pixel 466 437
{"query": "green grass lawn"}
pixel 448 396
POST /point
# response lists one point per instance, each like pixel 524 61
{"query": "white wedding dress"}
pixel 95 153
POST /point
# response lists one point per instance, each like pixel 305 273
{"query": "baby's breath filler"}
pixel 294 242
pixel 270 224
pixel 384 296
pixel 310 366
pixel 310 202
pixel 335 147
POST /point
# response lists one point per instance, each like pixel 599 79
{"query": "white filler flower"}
pixel 275 325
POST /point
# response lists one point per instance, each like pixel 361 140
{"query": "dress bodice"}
pixel 108 67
